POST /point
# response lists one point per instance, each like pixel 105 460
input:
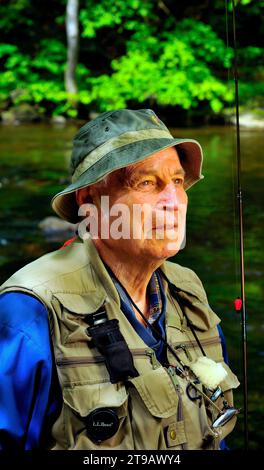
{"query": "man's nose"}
pixel 169 197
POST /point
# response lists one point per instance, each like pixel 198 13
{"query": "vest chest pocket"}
pixel 72 310
pixel 157 411
pixel 157 392
pixel 95 417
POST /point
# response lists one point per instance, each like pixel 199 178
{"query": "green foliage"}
pixel 173 69
pixel 14 12
pixel 30 79
pixel 138 51
pixel 112 13
pixel 251 55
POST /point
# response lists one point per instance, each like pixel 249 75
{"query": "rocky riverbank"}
pixel 26 113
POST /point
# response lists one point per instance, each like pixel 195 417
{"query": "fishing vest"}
pixel 153 409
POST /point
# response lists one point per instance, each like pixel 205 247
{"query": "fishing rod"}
pixel 242 303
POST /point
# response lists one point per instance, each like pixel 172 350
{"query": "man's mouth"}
pixel 165 227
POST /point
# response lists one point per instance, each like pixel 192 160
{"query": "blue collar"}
pixel 157 308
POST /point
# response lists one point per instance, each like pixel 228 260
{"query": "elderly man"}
pixel 106 345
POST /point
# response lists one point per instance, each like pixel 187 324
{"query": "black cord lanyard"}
pixel 175 293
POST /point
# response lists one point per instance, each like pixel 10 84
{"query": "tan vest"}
pixel 154 411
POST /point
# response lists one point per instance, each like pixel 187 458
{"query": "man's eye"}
pixel 146 183
pixel 178 181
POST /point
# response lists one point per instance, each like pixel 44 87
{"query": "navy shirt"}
pixel 157 314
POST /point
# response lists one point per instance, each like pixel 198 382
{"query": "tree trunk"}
pixel 72 32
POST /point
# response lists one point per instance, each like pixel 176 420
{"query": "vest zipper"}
pixel 193 344
pixel 186 346
pixel 78 361
pixel 83 360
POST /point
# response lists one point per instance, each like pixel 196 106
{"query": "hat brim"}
pixel 191 157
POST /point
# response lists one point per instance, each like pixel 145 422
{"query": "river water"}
pixel 34 161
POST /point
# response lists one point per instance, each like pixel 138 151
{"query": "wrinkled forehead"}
pixel 166 162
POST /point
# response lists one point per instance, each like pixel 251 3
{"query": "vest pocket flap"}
pixel 157 392
pixel 81 303
pixel 231 380
pixel 86 398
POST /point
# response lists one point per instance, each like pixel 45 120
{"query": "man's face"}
pixel 149 198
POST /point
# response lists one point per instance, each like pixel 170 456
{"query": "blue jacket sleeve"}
pixel 223 344
pixel 25 370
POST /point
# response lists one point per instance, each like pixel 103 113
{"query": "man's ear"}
pixel 83 196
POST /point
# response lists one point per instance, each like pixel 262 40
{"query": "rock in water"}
pixel 55 229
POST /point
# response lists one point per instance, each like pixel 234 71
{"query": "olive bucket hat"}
pixel 116 139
